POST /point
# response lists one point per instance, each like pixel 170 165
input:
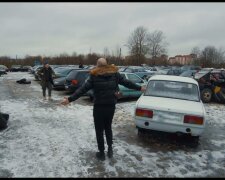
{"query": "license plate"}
pixel 167 117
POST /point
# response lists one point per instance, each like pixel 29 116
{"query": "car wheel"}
pixel 206 95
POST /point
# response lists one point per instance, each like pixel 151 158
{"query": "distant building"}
pixel 182 59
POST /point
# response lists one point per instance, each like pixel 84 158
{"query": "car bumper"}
pixel 58 86
pixel 167 127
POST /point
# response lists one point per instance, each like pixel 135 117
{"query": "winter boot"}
pixel 100 156
pixel 110 152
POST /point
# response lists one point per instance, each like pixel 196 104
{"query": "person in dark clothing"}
pixel 104 80
pixel 46 73
pixel 81 65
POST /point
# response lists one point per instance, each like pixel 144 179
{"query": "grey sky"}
pixel 55 28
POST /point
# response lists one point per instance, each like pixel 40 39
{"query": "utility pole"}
pixel 120 57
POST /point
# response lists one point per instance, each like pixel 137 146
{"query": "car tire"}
pixel 206 95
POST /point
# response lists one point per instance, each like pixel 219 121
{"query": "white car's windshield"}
pixel 173 89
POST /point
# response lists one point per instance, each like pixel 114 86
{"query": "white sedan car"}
pixel 171 104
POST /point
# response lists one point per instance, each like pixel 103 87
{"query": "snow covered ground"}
pixel 51 140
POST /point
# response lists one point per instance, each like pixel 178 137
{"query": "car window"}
pixel 186 73
pixel 134 78
pixel 128 70
pixel 82 75
pixel 200 74
pixel 72 74
pixel 172 89
pixel 121 69
pixel 123 75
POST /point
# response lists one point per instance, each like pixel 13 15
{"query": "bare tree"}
pixel 118 55
pixel 156 44
pixel 137 43
pixel 196 58
pixel 212 57
pixel 196 50
pixel 106 52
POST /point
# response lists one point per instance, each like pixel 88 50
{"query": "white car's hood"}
pixel 172 105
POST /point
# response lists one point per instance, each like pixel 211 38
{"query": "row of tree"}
pixel 210 56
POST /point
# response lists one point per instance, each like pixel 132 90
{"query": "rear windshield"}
pixel 72 74
pixel 173 89
pixel 78 74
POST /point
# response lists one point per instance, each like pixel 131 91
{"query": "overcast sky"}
pixel 54 28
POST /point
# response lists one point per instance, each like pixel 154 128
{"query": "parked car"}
pixel 212 84
pixel 188 73
pixel 171 104
pixel 4 67
pixel 61 73
pixel 59 83
pixel 190 67
pixel 15 68
pixel 75 79
pixel 36 76
pixel 25 68
pixel 138 70
pixel 33 69
pixel 126 92
pixel 175 72
pixel 2 71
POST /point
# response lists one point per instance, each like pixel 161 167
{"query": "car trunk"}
pixel 170 110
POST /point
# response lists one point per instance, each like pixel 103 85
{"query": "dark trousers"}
pixel 46 85
pixel 103 116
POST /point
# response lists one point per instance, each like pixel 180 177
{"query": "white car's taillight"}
pixel 193 119
pixel 144 113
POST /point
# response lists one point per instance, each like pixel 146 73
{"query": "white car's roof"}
pixel 173 78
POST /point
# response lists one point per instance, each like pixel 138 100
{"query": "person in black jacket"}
pixel 46 73
pixel 104 80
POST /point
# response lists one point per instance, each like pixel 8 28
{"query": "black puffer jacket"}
pixel 104 82
pixel 46 74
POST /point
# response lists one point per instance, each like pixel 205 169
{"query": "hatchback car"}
pixel 75 79
pixel 2 71
pixel 171 104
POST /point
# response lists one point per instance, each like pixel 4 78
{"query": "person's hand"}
pixel 143 88
pixel 65 101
